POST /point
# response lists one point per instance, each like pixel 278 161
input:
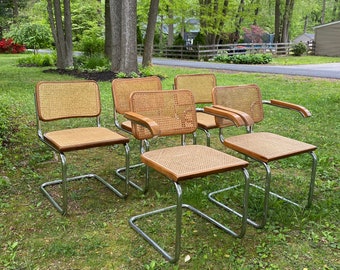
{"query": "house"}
pixel 327 39
pixel 305 38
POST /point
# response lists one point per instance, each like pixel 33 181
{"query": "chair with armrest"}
pixel 121 90
pixel 201 86
pixel 170 113
pixel 72 100
pixel 264 147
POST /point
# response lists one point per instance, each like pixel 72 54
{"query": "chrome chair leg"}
pixel 178 208
pixel 63 207
pixel 268 193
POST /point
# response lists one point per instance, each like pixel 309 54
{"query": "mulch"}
pixel 88 75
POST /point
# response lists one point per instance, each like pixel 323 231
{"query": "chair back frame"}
pixel 246 98
pixel 122 89
pixel 173 111
pixel 200 85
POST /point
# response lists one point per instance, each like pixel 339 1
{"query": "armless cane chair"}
pixel 263 147
pixel 121 90
pixel 169 113
pixel 201 86
pixel 67 100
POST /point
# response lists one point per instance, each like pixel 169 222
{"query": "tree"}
pixel 34 36
pixel 122 23
pixel 150 33
pixel 212 19
pixel 254 34
pixel 283 19
pixel 287 19
pixel 108 29
pixel 61 26
pixel 129 37
pixel 9 11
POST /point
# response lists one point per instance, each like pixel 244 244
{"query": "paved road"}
pixel 331 71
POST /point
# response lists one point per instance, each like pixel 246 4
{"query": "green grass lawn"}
pixel 96 234
pixel 304 60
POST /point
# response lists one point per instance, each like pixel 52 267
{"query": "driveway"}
pixel 331 71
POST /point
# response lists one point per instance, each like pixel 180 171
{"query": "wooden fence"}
pixel 202 52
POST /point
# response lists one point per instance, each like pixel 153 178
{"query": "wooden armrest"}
pixel 248 121
pixel 302 110
pixel 234 117
pixel 143 121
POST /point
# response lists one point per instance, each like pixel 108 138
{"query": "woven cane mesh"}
pixel 83 138
pixel 122 89
pixel 246 98
pixel 173 111
pixel 266 146
pixel 60 100
pixel 190 161
pixel 201 85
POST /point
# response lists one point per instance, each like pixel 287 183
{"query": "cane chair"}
pixel 57 101
pixel 263 147
pixel 170 113
pixel 201 86
pixel 121 90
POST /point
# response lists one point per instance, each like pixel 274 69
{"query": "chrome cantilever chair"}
pixel 201 86
pixel 121 90
pixel 170 113
pixel 68 100
pixel 264 147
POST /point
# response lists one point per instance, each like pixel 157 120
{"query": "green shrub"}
pixel 96 62
pixel 199 39
pixel 34 36
pixel 253 59
pixel 299 49
pixel 92 42
pixel 179 40
pixel 38 60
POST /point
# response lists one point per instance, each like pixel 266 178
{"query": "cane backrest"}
pixel 121 91
pixel 173 111
pixel 246 98
pixel 200 85
pixel 69 99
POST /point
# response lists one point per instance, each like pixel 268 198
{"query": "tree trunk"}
pixel 108 30
pixel 277 36
pixel 287 17
pixel 239 19
pixel 128 61
pixel 68 34
pixel 115 32
pixel 150 33
pixel 170 27
pixel 62 38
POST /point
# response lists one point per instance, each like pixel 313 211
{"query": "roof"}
pixel 327 24
pixel 307 35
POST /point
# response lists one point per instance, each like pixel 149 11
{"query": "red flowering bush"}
pixel 8 46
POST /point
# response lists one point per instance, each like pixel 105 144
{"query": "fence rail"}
pixel 205 52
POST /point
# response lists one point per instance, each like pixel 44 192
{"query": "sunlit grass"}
pixel 303 60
